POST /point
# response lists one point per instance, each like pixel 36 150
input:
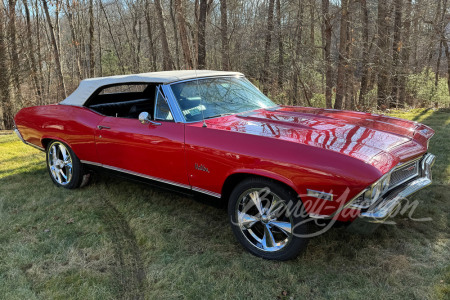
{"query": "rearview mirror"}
pixel 144 118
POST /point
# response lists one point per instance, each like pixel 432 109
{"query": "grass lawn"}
pixel 118 239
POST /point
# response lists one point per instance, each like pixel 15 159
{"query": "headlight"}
pixel 373 193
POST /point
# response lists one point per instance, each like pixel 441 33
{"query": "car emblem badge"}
pixel 411 168
pixel 201 168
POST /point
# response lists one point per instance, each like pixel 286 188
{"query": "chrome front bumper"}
pixel 380 211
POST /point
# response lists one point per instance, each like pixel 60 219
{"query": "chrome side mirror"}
pixel 144 118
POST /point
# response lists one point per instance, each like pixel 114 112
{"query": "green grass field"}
pixel 118 239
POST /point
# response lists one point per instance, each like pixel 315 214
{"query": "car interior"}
pixel 124 100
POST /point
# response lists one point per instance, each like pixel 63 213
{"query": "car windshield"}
pixel 213 97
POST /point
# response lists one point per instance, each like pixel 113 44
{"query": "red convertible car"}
pixel 215 133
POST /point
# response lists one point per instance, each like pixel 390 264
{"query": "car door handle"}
pixel 103 127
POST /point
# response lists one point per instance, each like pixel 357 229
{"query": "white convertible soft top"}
pixel 89 86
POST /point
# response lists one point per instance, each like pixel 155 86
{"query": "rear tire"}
pixel 64 167
pixel 275 230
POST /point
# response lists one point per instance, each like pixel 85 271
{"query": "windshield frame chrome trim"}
pixel 173 104
pixel 176 107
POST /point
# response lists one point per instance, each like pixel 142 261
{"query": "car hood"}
pixel 376 139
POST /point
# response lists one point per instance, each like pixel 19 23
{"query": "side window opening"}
pixel 162 110
pixel 126 100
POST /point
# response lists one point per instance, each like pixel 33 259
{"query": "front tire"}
pixel 265 219
pixel 64 167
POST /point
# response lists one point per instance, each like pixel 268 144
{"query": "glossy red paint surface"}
pixel 338 152
pixel 157 151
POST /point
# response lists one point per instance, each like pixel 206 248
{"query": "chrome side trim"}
pixel 382 210
pixel 136 174
pixel 206 192
pixel 91 163
pixel 17 132
pixel 34 146
pixel 319 195
pixel 319 217
pixel 341 208
pixel 185 186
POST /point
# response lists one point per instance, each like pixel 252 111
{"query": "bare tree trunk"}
pixel 349 69
pixel 397 48
pixel 179 10
pixel 341 83
pixel 280 47
pixel 312 7
pixel 137 34
pixel 33 65
pixel 38 49
pixel 99 39
pixel 75 42
pixel 175 35
pixel 15 65
pixel 224 35
pixel 7 106
pixel 296 58
pixel 327 52
pixel 150 37
pixel 383 54
pixel 265 73
pixel 445 41
pixel 119 56
pixel 405 54
pixel 447 54
pixel 201 39
pixel 365 56
pixel 91 39
pixel 61 85
pixel 130 42
pixel 438 65
pixel 167 57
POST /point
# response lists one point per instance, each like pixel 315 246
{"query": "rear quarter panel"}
pixel 72 125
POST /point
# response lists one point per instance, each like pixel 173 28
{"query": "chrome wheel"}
pixel 263 220
pixel 60 163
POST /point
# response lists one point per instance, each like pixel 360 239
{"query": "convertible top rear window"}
pixel 124 88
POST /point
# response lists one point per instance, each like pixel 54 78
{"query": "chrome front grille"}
pixel 404 172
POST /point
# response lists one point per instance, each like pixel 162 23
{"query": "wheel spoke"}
pixel 268 240
pixel 62 173
pixel 54 157
pixel 286 227
pixel 246 221
pixel 254 196
pixel 58 176
pixel 275 208
pixel 63 151
pixel 52 169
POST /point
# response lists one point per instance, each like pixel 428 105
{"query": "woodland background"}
pixel 348 54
